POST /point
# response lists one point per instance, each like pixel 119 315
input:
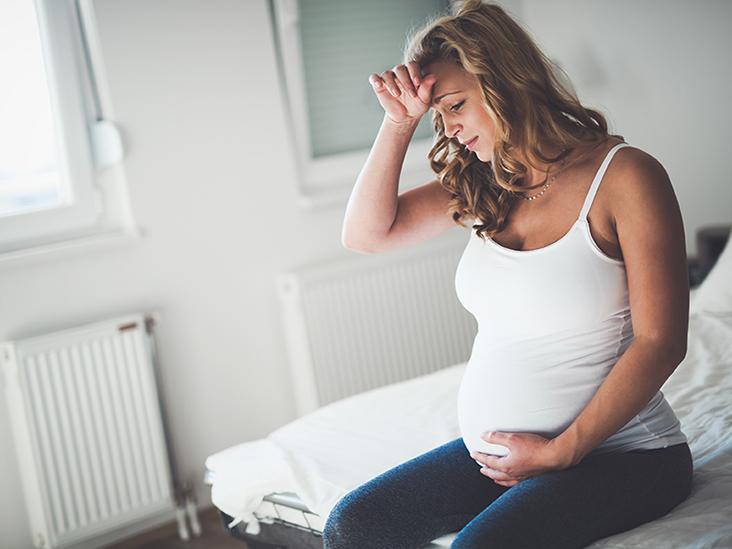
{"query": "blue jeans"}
pixel 442 491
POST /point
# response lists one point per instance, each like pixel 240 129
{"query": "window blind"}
pixel 342 43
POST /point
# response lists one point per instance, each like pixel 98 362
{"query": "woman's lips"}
pixel 470 143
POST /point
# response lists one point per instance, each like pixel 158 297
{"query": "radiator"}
pixel 88 430
pixel 359 323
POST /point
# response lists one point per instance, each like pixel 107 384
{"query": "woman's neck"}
pixel 545 169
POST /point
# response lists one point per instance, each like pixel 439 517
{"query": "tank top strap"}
pixel 598 177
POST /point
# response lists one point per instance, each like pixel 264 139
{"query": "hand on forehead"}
pixel 450 77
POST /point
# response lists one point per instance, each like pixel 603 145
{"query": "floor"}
pixel 214 536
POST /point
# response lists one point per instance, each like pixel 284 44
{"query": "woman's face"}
pixel 456 96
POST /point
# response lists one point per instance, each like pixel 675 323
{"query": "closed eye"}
pixel 457 106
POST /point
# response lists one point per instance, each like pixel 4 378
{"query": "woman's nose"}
pixel 452 130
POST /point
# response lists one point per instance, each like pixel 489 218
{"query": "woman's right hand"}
pixel 403 93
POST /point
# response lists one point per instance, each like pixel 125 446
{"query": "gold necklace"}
pixel 546 185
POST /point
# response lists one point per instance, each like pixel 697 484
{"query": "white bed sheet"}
pixel 325 454
pixel 242 475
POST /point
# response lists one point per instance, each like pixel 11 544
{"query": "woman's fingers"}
pixel 495 475
pixel 377 82
pixel 415 72
pixel 399 96
pixel 380 85
pixel 499 477
pixel 390 79
pixel 404 79
pixel 424 92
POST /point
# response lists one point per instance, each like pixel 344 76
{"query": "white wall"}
pixel 193 86
pixel 660 70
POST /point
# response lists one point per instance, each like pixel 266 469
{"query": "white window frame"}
pixel 330 179
pixel 90 148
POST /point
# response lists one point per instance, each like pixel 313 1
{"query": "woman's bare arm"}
pixel 378 218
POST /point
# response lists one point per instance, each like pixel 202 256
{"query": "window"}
pixel 60 179
pixel 327 49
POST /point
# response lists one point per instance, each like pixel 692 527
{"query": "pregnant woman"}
pixel 576 272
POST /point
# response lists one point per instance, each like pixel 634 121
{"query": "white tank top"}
pixel 552 322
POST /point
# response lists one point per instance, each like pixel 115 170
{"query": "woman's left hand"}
pixel 528 455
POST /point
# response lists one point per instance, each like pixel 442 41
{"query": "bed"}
pixel 276 492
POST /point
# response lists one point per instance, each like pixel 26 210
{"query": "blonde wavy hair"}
pixel 529 105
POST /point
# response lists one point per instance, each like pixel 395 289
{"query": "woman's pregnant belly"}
pixel 518 389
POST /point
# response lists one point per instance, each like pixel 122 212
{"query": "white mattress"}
pixel 327 453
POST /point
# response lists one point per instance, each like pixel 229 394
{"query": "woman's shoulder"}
pixel 631 158
pixel 631 166
pixel 634 176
